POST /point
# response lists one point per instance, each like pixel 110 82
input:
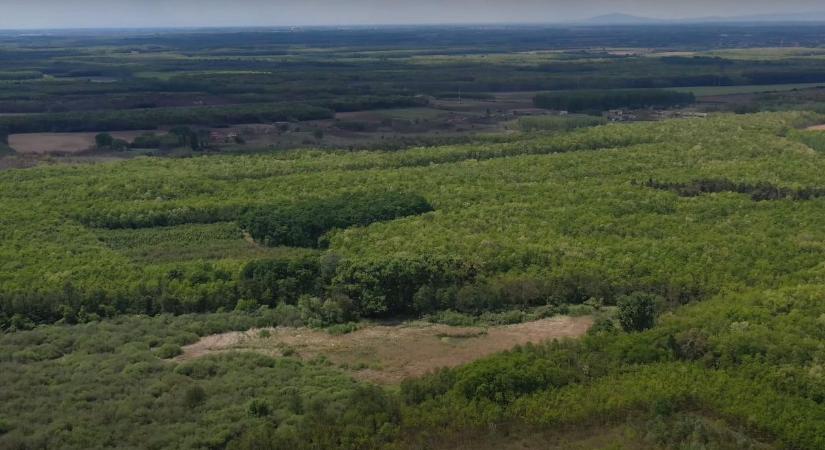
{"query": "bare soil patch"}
pixel 62 142
pixel 388 354
pixel 817 128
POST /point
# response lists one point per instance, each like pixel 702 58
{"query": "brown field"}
pixel 388 354
pixel 62 142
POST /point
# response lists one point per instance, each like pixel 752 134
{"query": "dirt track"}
pixel 388 354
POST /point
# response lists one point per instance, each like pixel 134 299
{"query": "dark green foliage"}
pixel 259 408
pixel 758 191
pixel 280 280
pixel 302 224
pixel 389 286
pixel 194 396
pixel 158 217
pixel 602 325
pixel 152 118
pixel 4 144
pixel 578 101
pixel 344 104
pixel 103 140
pixel 637 311
pixel 167 351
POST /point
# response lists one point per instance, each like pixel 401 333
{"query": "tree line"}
pixel 581 101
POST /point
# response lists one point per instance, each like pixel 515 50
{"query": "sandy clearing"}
pixel 816 128
pixel 62 142
pixel 388 354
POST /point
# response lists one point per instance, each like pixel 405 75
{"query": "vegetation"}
pixel 581 101
pixel 558 123
pixel 303 224
pixel 704 283
pixel 758 191
pixel 139 119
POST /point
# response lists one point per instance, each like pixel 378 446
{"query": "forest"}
pixel 180 299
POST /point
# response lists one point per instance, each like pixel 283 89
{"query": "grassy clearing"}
pixel 389 354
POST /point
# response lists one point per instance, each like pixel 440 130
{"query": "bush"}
pixel 246 305
pixel 259 408
pixel 637 311
pixel 194 396
pixel 602 325
pixel 167 351
pixel 103 140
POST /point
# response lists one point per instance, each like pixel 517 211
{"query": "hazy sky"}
pixel 187 13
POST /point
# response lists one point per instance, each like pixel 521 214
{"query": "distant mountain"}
pixel 628 19
pixel 621 19
pixel 796 17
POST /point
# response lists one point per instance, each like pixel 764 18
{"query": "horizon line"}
pixel 589 22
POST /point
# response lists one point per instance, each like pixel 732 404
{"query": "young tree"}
pixel 104 140
pixel 637 311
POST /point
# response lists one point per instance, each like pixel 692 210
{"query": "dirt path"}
pixel 816 128
pixel 389 354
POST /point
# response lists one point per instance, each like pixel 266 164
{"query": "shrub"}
pixel 637 311
pixel 246 305
pixel 194 396
pixel 103 140
pixel 259 408
pixel 167 351
pixel 602 325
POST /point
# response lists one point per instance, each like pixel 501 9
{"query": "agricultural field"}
pixel 398 238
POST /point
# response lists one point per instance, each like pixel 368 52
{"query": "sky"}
pixel 17 14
